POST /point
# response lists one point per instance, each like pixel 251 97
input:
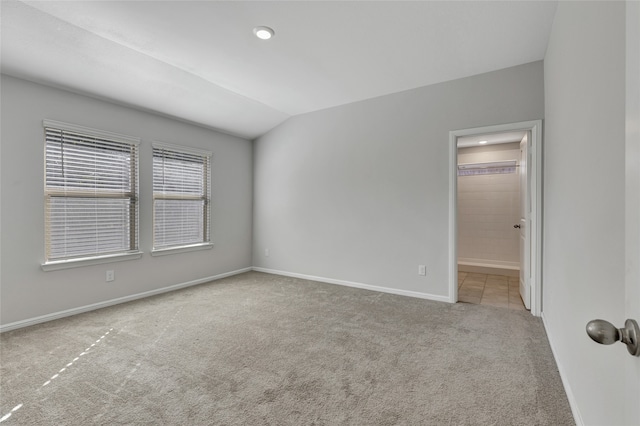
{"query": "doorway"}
pixel 526 236
pixel 492 193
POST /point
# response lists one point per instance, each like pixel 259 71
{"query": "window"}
pixel 91 195
pixel 181 197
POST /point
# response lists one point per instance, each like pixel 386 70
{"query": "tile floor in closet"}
pixel 494 290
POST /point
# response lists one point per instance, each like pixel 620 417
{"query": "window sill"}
pixel 181 249
pixel 87 261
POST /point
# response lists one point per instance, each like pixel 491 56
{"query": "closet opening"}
pixel 495 216
pixel 491 200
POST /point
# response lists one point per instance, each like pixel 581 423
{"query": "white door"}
pixel 632 274
pixel 632 204
pixel 629 390
pixel 525 228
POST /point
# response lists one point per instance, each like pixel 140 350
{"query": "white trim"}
pixel 489 270
pixel 181 249
pixel 181 148
pixel 56 265
pixel 577 417
pixel 453 219
pixel 89 131
pixel 503 264
pixel 535 126
pixel 408 293
pixel 99 305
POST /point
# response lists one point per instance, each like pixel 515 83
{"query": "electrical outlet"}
pixel 111 276
pixel 266 252
pixel 422 270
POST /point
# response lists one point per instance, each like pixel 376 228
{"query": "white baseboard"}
pixel 490 270
pixel 356 285
pixel 577 417
pixel 94 306
pixel 500 264
pixel 74 311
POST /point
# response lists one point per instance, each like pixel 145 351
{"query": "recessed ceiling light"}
pixel 482 142
pixel 263 33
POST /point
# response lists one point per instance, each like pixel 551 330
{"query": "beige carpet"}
pixel 258 349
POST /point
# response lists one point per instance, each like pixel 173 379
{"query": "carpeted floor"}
pixel 259 349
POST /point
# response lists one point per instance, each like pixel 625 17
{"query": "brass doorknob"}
pixel 605 333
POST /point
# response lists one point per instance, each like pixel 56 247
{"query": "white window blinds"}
pixel 91 193
pixel 181 196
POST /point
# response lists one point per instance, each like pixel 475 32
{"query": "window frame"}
pixel 133 196
pixel 206 197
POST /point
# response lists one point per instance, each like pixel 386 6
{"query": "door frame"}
pixel 535 188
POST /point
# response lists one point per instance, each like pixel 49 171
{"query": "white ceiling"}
pixel 199 61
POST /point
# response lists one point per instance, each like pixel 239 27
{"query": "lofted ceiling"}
pixel 200 61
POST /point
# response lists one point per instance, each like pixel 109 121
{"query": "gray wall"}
pixel 583 253
pixel 27 291
pixel 360 192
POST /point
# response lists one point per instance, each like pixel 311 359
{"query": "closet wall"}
pixel 488 207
